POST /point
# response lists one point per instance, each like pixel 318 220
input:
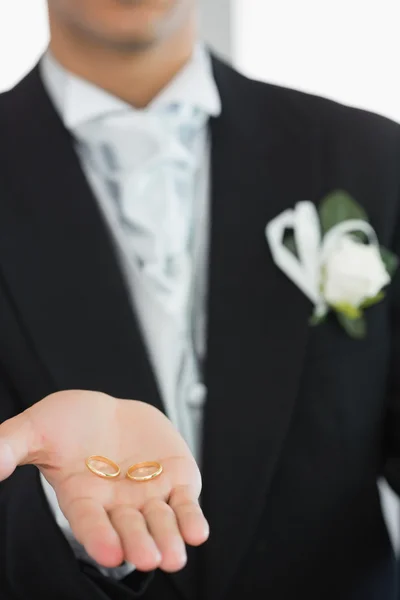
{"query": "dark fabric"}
pixel 299 423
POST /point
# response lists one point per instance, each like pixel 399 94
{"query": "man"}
pixel 138 175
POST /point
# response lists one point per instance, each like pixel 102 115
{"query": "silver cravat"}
pixel 152 182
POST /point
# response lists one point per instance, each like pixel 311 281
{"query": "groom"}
pixel 137 177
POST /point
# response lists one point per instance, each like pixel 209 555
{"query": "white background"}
pixel 348 50
pixel 23 37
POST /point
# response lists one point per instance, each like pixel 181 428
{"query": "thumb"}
pixel 16 444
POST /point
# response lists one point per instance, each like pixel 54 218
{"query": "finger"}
pixel 163 526
pixel 93 529
pixel 191 521
pixel 139 547
pixel 17 444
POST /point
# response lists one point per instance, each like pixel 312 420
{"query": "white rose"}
pixel 353 272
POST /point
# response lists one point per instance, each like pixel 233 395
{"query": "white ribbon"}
pixel 332 237
pixel 305 268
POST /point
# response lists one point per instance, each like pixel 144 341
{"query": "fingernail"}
pixel 158 556
pixel 183 556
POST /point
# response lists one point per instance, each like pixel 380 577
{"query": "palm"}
pixel 118 519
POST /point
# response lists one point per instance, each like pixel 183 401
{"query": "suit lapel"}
pixel 59 260
pixel 258 320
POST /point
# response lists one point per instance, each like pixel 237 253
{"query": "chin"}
pixel 134 38
pixel 129 44
pixel 136 24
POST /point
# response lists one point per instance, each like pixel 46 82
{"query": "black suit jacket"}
pixel 299 423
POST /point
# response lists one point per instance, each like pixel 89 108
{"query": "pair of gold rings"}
pixel 143 471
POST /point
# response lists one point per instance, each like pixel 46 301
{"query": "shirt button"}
pixel 197 395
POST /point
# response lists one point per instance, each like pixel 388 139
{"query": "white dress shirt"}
pixel 78 102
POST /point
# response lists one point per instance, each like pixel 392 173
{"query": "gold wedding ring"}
pixel 144 471
pixel 102 459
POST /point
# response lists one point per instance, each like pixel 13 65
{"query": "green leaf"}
pixel 337 207
pixel 355 328
pixel 360 237
pixel 348 310
pixel 290 243
pixel 390 261
pixel 372 301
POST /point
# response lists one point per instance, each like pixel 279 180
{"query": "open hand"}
pixel 146 524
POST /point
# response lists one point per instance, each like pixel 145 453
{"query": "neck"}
pixel 134 77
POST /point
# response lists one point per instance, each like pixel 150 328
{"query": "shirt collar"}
pixel 79 101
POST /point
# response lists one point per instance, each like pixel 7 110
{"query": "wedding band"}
pixel 145 471
pixel 105 460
